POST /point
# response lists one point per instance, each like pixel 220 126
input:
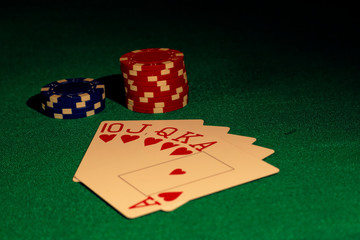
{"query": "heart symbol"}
pixel 129 138
pixel 177 171
pixel 170 196
pixel 107 137
pixel 168 145
pixel 181 151
pixel 151 141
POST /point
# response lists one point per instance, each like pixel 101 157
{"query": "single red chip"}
pixel 157 109
pixel 177 74
pixel 151 73
pixel 151 94
pixel 173 81
pixel 164 88
pixel 169 98
pixel 157 104
pixel 152 59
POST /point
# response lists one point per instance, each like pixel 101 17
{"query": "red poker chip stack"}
pixel 155 80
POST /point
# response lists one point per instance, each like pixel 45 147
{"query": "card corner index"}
pixel 139 208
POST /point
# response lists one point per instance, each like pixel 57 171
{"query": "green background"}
pixel 288 78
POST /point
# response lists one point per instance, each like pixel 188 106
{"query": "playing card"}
pixel 163 167
pixel 244 139
pixel 257 151
pixel 110 133
pixel 220 130
pixel 242 142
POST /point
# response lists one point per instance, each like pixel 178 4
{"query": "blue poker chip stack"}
pixel 73 98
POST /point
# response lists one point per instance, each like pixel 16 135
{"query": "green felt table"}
pixel 290 80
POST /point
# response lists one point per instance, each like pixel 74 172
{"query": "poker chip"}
pixel 155 80
pixel 152 59
pixel 166 72
pixel 75 115
pixel 73 90
pixel 152 110
pixel 157 99
pixel 159 75
pixel 164 88
pixel 70 111
pixel 73 104
pixel 157 104
pixel 178 80
pixel 152 94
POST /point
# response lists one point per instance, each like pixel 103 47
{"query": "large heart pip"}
pixel 168 145
pixel 151 141
pixel 129 138
pixel 181 151
pixel 107 137
pixel 170 196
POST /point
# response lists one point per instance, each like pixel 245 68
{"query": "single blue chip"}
pixel 72 104
pixel 74 115
pixel 69 111
pixel 72 90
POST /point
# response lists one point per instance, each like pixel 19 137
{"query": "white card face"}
pixel 220 130
pixel 257 151
pixel 176 172
pixel 216 129
pixel 114 168
pixel 243 139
